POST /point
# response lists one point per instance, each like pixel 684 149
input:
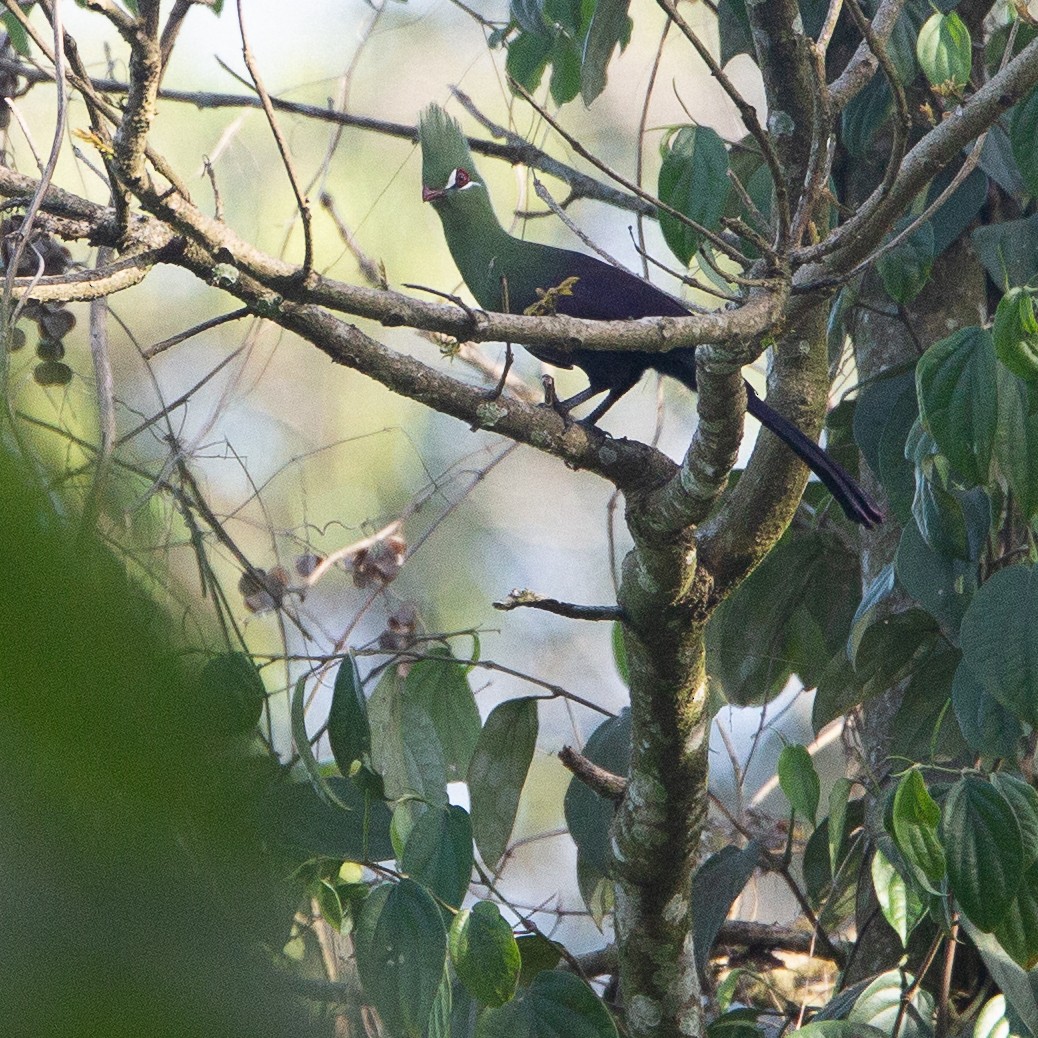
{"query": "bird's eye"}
pixel 458 179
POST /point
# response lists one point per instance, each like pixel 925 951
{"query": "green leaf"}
pixel 984 850
pixel 565 70
pixel 1017 932
pixel 401 947
pixel 915 819
pixel 554 1004
pixel 405 746
pixel 232 694
pixel 906 268
pixel 440 686
pixel 900 903
pixel 960 209
pixel 1019 986
pixel 620 653
pixel 879 590
pixel 609 26
pixel 529 16
pixel 1023 131
pixel 1023 799
pixel 438 853
pixel 922 727
pixel 955 380
pixel 356 831
pixel 943 586
pixel 991 1021
pixel 1008 250
pixel 735 1023
pixel 867 112
pixel 715 886
pixel 1015 333
pixel 879 1006
pixel 945 51
pixel 538 954
pixel 348 731
pixel 693 180
pixel 528 55
pixel 997 637
pixel 799 781
pixel 838 797
pixel 588 815
pixel 733 30
pixel 838 1029
pixel 16 34
pixel 1016 441
pixel 986 725
pixel 441 1015
pixel 497 771
pixel 485 953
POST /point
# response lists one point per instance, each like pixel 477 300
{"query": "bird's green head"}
pixel 448 172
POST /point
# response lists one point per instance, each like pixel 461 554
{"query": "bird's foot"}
pixel 552 401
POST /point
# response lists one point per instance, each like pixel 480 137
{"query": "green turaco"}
pixel 507 274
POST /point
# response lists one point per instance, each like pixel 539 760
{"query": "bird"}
pixel 506 274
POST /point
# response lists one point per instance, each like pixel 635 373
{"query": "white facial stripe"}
pixel 451 180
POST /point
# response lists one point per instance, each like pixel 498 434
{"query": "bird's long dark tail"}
pixel 852 498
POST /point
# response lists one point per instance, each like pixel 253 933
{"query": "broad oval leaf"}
pixel 1023 131
pixel 401 948
pixel 349 733
pixel 440 686
pixel 799 781
pixel 555 1005
pixel 955 380
pixel 986 725
pixel 997 638
pixel 880 1006
pixel 438 853
pixel 1023 799
pixel 984 850
pixel 715 886
pixel 1018 930
pixel 942 585
pixel 991 1021
pixel 906 268
pixel 485 953
pixel 915 818
pixel 588 815
pixel 900 903
pixel 945 51
pixel 232 694
pixel 497 771
pixel 1015 333
pixel 693 180
pixel 1016 440
pixel 609 26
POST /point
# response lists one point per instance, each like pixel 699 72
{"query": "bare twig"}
pixel 529 600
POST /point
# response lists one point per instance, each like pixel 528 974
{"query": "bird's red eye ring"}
pixel 461 178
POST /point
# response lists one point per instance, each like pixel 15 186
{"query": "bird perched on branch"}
pixel 506 274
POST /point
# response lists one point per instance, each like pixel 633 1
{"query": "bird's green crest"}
pixel 444 148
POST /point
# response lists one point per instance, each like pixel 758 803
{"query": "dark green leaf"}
pixel 733 28
pixel 693 180
pixel 958 211
pixel 1018 930
pixel 485 953
pixel 438 853
pixel 440 1017
pixel 565 70
pixel 715 886
pixel 923 727
pixel 609 26
pixel 997 637
pixel 1016 441
pixel 983 849
pixel 554 1004
pixel 348 731
pixel 986 725
pixel 799 781
pixel 915 819
pixel 1023 799
pixel 620 654
pixel 1023 132
pixel 529 16
pixel 1019 986
pixel 357 831
pixel 905 269
pixel 527 57
pixel 1008 250
pixel 405 745
pixel 837 1029
pixel 497 772
pixel 879 590
pixel 538 954
pixel 943 586
pixel 232 694
pixel 16 34
pixel 735 1023
pixel 996 159
pixel 958 400
pixel 865 114
pixel 440 686
pixel 401 947
pixel 838 797
pixel 588 815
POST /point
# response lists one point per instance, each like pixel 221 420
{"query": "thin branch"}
pixel 302 204
pixel 529 600
pixel 599 780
